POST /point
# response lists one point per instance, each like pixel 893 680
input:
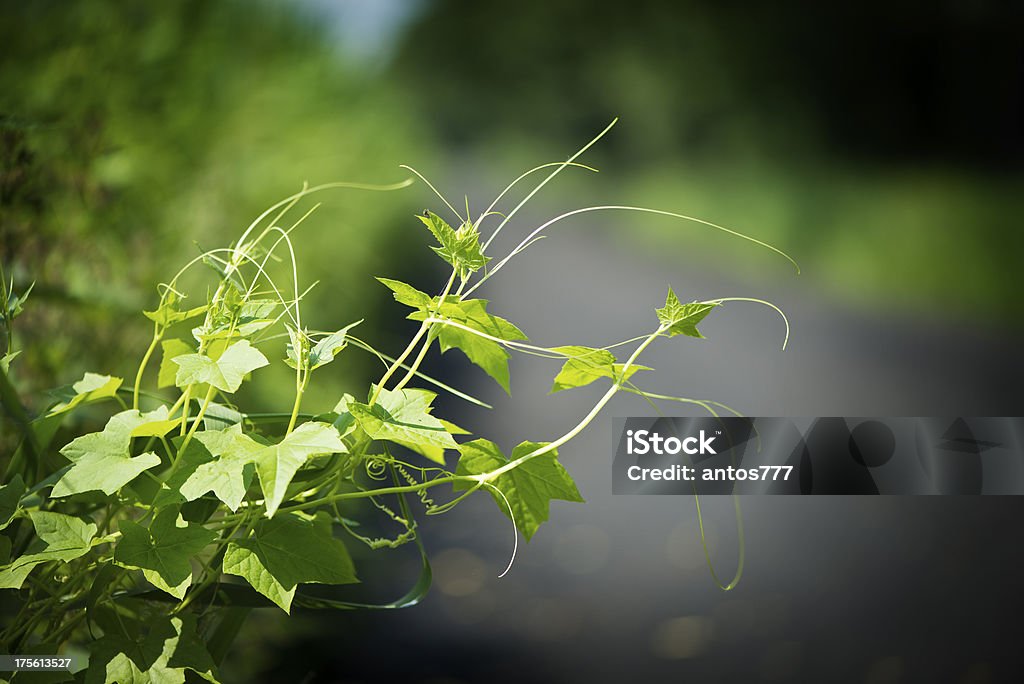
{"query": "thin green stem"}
pixel 497 472
pixel 300 388
pixel 544 182
pixel 616 207
pixel 157 334
pixel 423 329
pixel 195 425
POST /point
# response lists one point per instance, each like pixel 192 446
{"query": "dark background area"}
pixel 881 144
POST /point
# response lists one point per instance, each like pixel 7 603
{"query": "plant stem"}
pixel 411 371
pixel 157 334
pixel 487 477
pixel 412 345
pixel 300 388
pixel 195 425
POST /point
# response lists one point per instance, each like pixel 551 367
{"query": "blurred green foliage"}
pixel 879 144
pixel 132 131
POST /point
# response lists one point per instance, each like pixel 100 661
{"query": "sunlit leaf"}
pixel 460 248
pixel 217 461
pixel 92 387
pixel 403 416
pixel 407 294
pixel 529 487
pixel 488 354
pixel 586 364
pixel 682 319
pixel 168 369
pixel 226 373
pixel 102 460
pixel 168 312
pixel 62 538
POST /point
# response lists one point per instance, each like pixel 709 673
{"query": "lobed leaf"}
pixel 286 551
pixel 586 364
pixel 171 349
pixel 92 387
pixel 407 294
pixel 529 487
pixel 487 354
pixel 163 551
pixel 102 460
pixel 323 351
pixel 225 373
pixel 215 461
pixel 65 537
pixel 168 313
pixel 160 656
pixel 460 248
pixel 276 464
pixel 223 462
pixel 682 319
pixel 403 417
pixel 254 315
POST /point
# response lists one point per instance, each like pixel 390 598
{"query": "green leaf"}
pixel 10 496
pixel 286 551
pixel 102 459
pixel 276 464
pixel 460 248
pixel 168 369
pixel 407 294
pixel 155 423
pixel 223 462
pixel 255 315
pixel 454 429
pixel 91 387
pixel 403 417
pixel 160 656
pixel 472 313
pixel 586 364
pixel 219 417
pixel 297 347
pixel 488 355
pixel 15 303
pixel 218 462
pixel 682 319
pixel 529 487
pixel 5 360
pixel 163 550
pixel 168 313
pixel 321 353
pixel 65 539
pixel 226 373
pixel 324 350
pixel 228 273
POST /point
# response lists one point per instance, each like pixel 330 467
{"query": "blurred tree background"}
pixel 880 143
pixel 133 132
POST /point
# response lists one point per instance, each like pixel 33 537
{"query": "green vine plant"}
pixel 147 543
